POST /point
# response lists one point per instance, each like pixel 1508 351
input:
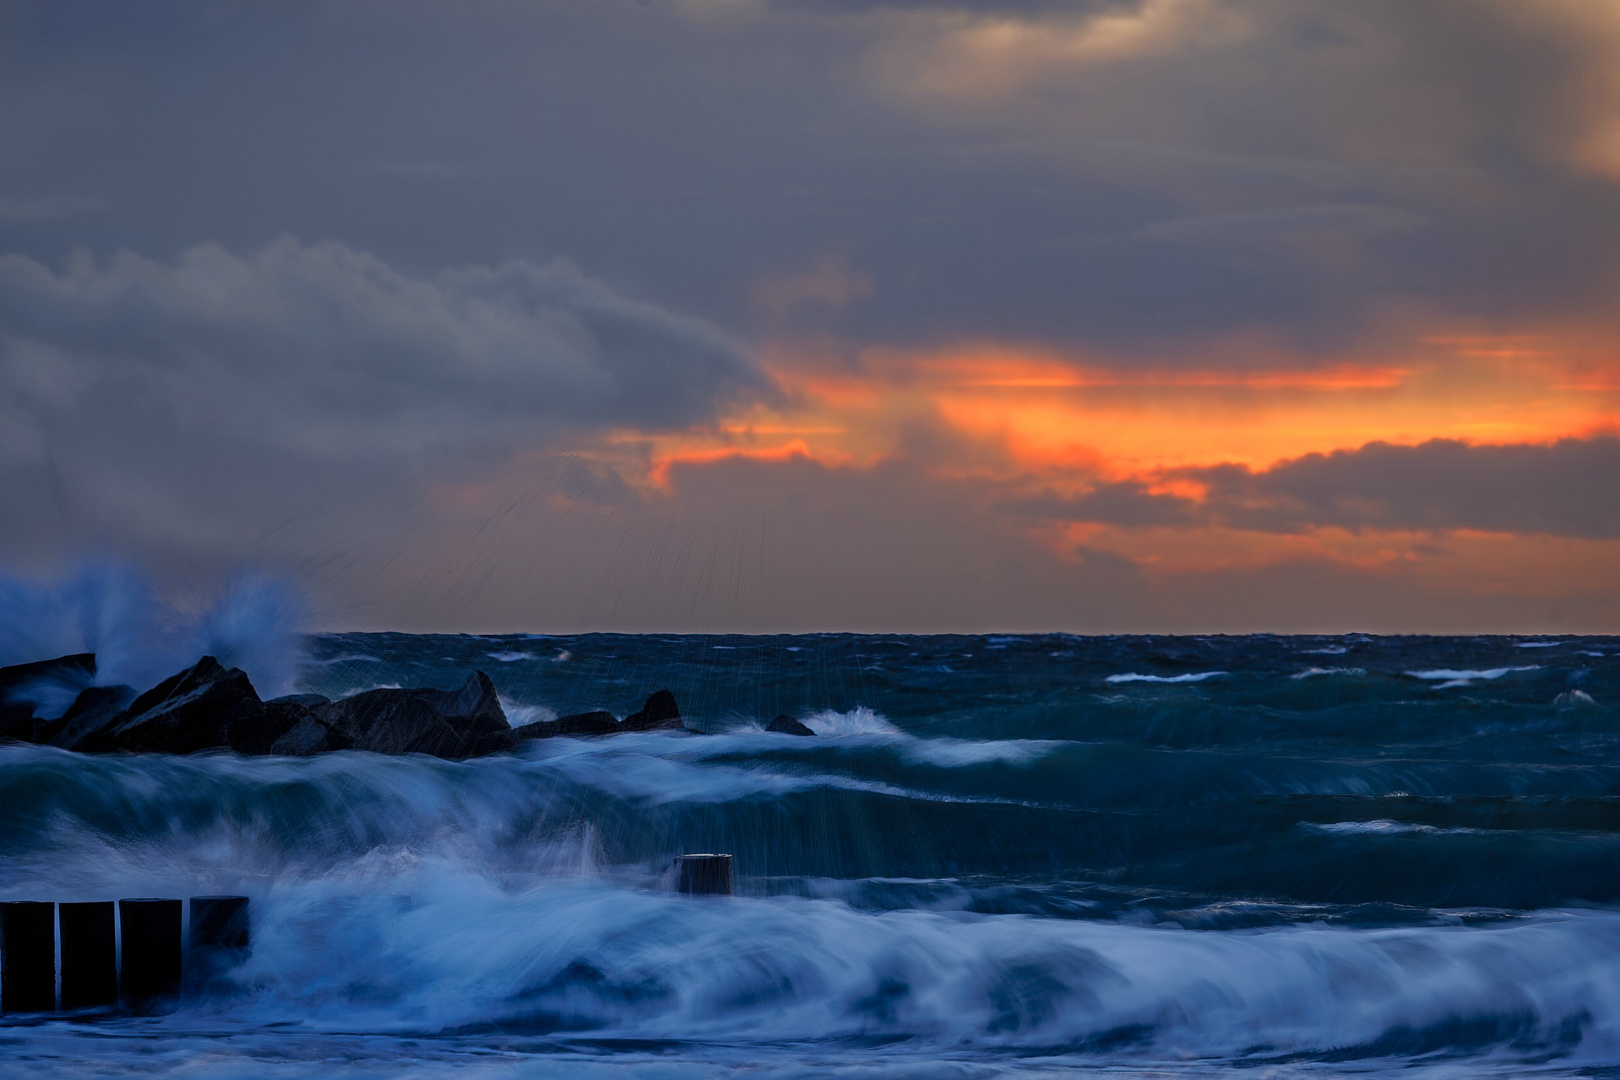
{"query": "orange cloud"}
pixel 1066 421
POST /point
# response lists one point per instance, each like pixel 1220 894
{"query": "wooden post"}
pixel 27 956
pixel 89 955
pixel 150 975
pixel 218 939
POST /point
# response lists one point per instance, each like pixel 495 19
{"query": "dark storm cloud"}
pixel 1298 166
pixel 1565 488
pixel 46 207
pixel 193 404
pixel 998 8
pixel 747 546
pixel 1126 503
pixel 1123 180
pixel 323 346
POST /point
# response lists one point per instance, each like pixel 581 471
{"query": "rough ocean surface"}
pixel 1001 856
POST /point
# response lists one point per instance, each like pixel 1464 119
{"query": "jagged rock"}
pixel 786 725
pixel 20 683
pixel 310 736
pixel 445 723
pixel 209 707
pixel 17 720
pixel 599 722
pixel 660 711
pixel 94 710
pixel 301 732
pixel 203 707
pixel 308 701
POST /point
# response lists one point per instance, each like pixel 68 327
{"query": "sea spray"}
pixel 140 636
pixel 991 861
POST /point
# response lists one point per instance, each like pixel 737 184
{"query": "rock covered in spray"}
pixel 659 713
pixel 452 724
pixel 24 687
pixel 787 725
pixel 209 706
pixel 95 710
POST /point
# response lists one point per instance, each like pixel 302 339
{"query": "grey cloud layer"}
pixel 332 351
pixel 191 409
pixel 1294 164
pixel 1565 488
pixel 746 546
pixel 223 395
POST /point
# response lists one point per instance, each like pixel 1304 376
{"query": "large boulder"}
pixel 445 723
pixel 786 725
pixel 95 710
pixel 597 722
pixel 306 733
pixel 24 686
pixel 206 706
pixel 660 711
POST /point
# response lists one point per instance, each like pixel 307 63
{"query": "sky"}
pixel 786 315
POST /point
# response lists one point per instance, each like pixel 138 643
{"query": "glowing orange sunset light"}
pixel 1028 410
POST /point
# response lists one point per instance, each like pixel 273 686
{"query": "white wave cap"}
pixel 1448 677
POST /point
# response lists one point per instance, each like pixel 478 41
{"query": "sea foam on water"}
pixel 1013 866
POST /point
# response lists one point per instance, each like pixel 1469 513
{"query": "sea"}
pixel 999 856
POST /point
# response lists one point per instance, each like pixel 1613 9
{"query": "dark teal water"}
pixel 999 856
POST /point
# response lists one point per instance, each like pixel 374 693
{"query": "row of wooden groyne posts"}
pixel 126 954
pixel 130 955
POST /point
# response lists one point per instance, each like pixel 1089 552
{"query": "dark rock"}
pixel 445 723
pixel 300 732
pixel 75 670
pixel 22 685
pixel 308 701
pixel 307 736
pixel 203 707
pixel 660 711
pixel 786 725
pixel 96 709
pixel 17 721
pixel 260 736
pixel 599 722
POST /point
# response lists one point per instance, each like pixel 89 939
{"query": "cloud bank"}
pixel 1136 314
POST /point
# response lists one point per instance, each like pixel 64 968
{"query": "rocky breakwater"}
pixel 211 707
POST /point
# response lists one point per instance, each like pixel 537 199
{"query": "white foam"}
pixel 660 767
pixel 1313 672
pixel 1381 827
pixel 1447 677
pixel 1541 644
pixel 857 721
pixel 518 715
pixel 1190 678
pixel 511 657
pixel 338 954
pixel 140 637
pixel 1385 827
pixel 958 753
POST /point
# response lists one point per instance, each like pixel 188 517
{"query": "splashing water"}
pixel 140 638
pixel 992 860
